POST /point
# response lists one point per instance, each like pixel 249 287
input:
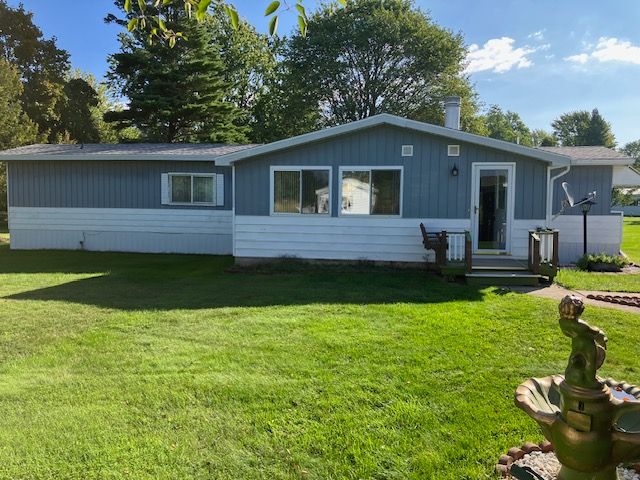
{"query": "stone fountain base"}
pixel 543 461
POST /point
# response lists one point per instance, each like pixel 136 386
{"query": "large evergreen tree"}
pixel 583 128
pixel 175 94
pixel 371 57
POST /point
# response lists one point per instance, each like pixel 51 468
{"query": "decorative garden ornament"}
pixel 593 424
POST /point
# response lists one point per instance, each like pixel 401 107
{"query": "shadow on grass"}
pixel 167 282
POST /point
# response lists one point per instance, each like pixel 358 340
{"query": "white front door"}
pixel 492 203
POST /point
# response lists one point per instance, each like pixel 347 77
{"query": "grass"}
pixel 117 366
pixel 631 239
pixel 577 280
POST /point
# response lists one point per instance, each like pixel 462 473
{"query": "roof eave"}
pixel 99 157
pixel 602 162
pixel 556 160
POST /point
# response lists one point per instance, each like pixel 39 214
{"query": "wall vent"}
pixel 407 150
pixel 453 150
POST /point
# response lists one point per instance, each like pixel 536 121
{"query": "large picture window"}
pixel 304 190
pixel 370 191
pixel 197 189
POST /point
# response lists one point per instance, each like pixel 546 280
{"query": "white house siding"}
pixel 604 234
pixel 122 229
pixel 336 238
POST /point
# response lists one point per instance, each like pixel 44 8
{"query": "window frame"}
pixel 298 168
pixel 370 168
pixel 192 175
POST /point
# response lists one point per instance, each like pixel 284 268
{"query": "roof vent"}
pixel 452 112
pixel 453 150
pixel 407 150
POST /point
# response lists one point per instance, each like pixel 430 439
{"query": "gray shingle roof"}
pixel 595 154
pixel 125 151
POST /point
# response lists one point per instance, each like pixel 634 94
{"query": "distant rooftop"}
pixel 123 151
pixel 587 154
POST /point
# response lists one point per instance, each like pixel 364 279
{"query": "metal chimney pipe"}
pixel 452 112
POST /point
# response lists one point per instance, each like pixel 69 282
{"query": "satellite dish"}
pixel 569 201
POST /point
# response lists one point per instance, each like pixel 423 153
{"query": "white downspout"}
pixel 550 183
pixel 233 210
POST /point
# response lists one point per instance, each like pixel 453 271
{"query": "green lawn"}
pixel 122 366
pixel 631 238
pixel 578 280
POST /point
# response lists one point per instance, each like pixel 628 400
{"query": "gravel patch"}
pixel 547 466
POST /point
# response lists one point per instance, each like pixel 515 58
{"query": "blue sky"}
pixel 539 58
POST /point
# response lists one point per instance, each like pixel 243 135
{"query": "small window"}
pixel 197 189
pixel 304 191
pixel 453 150
pixel 371 192
pixel 407 150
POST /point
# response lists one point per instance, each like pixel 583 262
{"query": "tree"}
pixel 371 58
pixel 15 126
pixel 250 62
pixel 507 126
pixel 41 64
pixel 582 128
pixel 542 138
pixel 633 150
pixel 177 94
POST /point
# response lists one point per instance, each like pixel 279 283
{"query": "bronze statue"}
pixel 593 424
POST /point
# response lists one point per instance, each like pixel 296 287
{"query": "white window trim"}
pixel 364 168
pixel 192 203
pixel 298 168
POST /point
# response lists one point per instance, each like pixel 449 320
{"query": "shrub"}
pixel 602 262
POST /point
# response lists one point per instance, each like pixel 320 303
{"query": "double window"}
pixel 192 188
pixel 370 191
pixel 363 190
pixel 301 190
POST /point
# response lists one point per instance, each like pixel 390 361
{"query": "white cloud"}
pixel 497 55
pixel 539 35
pixel 609 49
pixel 580 58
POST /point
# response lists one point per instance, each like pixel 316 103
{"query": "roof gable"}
pixel 555 159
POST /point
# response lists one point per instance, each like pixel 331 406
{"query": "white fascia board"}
pixel 102 157
pixel 554 159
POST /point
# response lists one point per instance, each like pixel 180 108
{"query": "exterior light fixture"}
pixel 454 170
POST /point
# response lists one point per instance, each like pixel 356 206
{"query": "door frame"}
pixel 476 168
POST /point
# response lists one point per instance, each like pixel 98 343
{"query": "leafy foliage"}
pixel 621 197
pixel 178 94
pixel 542 138
pixel 633 150
pixel 583 128
pixel 15 126
pixel 507 126
pixel 594 262
pixel 368 58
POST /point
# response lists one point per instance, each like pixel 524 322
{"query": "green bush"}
pixel 602 262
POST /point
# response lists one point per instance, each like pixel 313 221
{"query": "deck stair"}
pixel 500 270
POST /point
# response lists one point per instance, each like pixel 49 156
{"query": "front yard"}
pixel 166 367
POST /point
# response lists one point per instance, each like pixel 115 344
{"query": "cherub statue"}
pixel 588 345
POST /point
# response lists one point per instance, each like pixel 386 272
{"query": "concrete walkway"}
pixel 556 292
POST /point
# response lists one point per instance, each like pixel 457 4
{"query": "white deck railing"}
pixel 456 249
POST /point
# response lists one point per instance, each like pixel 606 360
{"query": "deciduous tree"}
pixel 583 128
pixel 507 126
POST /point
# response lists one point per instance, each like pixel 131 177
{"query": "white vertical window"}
pixel 301 191
pixel 371 191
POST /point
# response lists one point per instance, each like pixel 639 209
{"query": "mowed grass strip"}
pixel 631 238
pixel 619 282
pixel 117 366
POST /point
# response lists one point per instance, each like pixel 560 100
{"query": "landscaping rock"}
pixel 516 453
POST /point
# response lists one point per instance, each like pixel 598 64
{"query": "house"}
pixel 628 180
pixel 351 192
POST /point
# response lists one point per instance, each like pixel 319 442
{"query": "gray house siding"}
pixel 430 191
pixel 101 184
pixel 584 180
